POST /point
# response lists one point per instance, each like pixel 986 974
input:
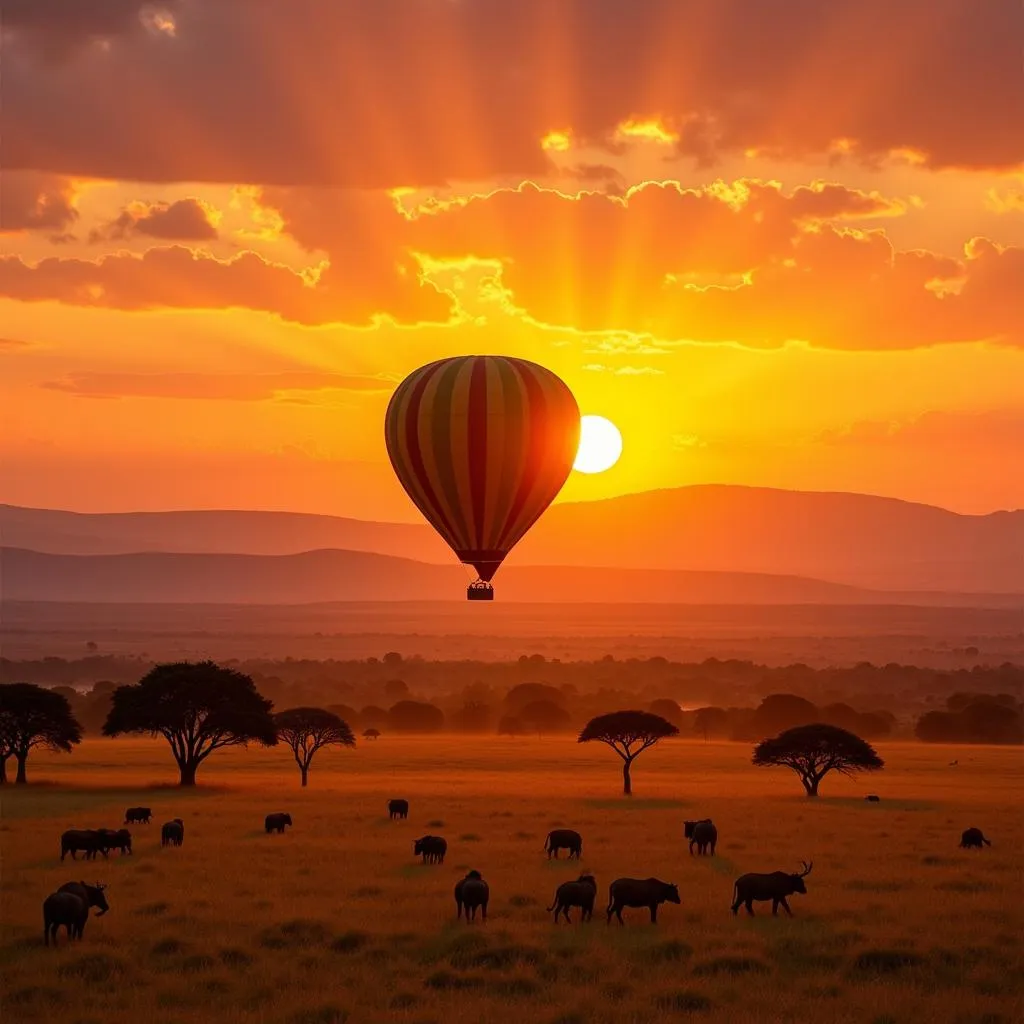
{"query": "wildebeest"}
pixel 64 908
pixel 137 816
pixel 639 892
pixel 703 833
pixel 431 848
pixel 93 895
pixel 774 886
pixel 115 839
pixel 972 839
pixel 81 840
pixel 172 833
pixel 872 798
pixel 398 809
pixel 563 838
pixel 471 892
pixel 276 822
pixel 580 893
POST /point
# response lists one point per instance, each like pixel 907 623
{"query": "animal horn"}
pixel 807 868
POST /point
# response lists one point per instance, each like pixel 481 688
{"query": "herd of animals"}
pixel 69 906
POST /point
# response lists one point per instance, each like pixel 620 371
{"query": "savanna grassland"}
pixel 335 920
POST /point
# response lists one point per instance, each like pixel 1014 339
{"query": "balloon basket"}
pixel 479 591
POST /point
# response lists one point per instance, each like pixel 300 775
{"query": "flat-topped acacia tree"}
pixel 33 716
pixel 307 730
pixel 629 734
pixel 198 707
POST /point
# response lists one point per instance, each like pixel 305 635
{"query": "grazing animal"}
pixel 972 839
pixel 580 893
pixel 472 892
pixel 398 809
pixel 64 908
pixel 81 840
pixel 172 833
pixel 276 822
pixel 703 833
pixel 639 892
pixel 872 799
pixel 91 894
pixel 431 848
pixel 563 838
pixel 137 816
pixel 115 839
pixel 774 886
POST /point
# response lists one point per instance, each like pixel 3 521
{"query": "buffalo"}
pixel 580 893
pixel 115 839
pixel 973 839
pixel 137 816
pixel 93 895
pixel 774 886
pixel 703 833
pixel 64 908
pixel 639 892
pixel 81 840
pixel 563 838
pixel 276 822
pixel 398 809
pixel 872 798
pixel 431 848
pixel 172 833
pixel 472 892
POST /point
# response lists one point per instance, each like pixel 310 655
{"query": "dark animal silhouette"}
pixel 137 816
pixel 471 892
pixel 563 839
pixel 115 839
pixel 276 822
pixel 639 892
pixel 973 839
pixel 172 833
pixel 580 893
pixel 431 848
pixel 64 908
pixel 774 886
pixel 81 840
pixel 872 799
pixel 398 809
pixel 703 833
pixel 93 895
pixel 953 763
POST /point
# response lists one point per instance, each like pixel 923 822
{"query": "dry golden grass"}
pixel 335 921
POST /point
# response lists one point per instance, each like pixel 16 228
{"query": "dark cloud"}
pixel 184 220
pixel 242 387
pixel 36 201
pixel 420 92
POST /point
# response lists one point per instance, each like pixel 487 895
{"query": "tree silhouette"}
pixel 371 734
pixel 198 707
pixel 415 716
pixel 542 716
pixel 812 751
pixel 629 734
pixel 306 730
pixel 32 716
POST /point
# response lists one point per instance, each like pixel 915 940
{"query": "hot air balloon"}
pixel 482 444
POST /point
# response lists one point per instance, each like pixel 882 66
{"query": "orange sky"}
pixel 778 245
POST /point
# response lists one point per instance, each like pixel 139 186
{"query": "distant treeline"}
pixel 728 699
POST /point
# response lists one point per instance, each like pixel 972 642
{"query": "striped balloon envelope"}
pixel 482 445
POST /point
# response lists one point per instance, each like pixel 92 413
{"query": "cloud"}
pixel 241 387
pixel 36 201
pixel 184 220
pixel 939 429
pixel 177 277
pixel 423 92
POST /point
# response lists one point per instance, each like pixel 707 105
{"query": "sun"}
pixel 600 445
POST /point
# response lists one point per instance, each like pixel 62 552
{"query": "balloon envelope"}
pixel 482 445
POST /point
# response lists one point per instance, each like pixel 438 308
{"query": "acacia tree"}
pixel 306 730
pixel 812 751
pixel 629 734
pixel 33 716
pixel 198 707
pixel 371 734
pixel 543 716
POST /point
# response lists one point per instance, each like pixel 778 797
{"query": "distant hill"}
pixel 331 575
pixel 856 539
